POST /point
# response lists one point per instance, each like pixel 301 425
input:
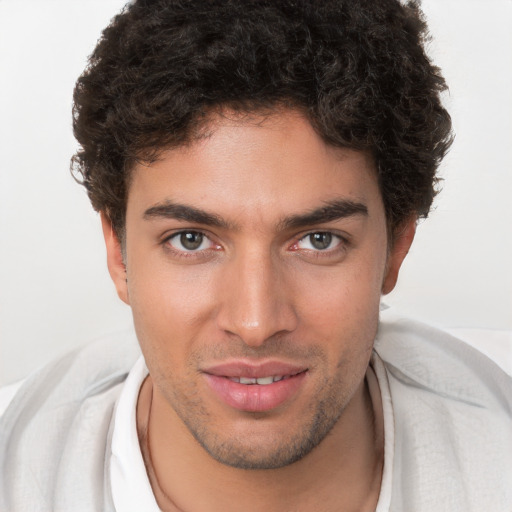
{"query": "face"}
pixel 255 261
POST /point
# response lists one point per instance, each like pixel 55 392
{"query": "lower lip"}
pixel 255 397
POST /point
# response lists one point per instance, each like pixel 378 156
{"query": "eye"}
pixel 190 241
pixel 319 241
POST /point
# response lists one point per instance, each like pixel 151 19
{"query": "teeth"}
pixel 262 381
pixel 265 380
pixel 245 380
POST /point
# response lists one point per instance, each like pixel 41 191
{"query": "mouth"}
pixel 255 388
pixel 262 381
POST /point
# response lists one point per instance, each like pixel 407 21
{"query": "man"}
pixel 260 167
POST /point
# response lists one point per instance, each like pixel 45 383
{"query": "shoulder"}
pixel 61 412
pixel 79 374
pixel 452 409
pixel 425 357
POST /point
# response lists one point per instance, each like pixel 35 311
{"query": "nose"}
pixel 257 299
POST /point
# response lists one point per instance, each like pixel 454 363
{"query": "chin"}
pixel 268 446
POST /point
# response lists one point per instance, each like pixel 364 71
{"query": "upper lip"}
pixel 252 369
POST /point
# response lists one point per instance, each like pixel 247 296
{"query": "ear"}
pixel 401 245
pixel 115 263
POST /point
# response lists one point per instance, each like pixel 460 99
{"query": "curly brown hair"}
pixel 356 68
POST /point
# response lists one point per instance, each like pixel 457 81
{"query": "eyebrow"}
pixel 330 211
pixel 170 210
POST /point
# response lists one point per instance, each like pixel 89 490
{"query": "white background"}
pixel 55 292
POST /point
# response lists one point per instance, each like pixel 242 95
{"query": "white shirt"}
pixel 131 490
pixel 69 439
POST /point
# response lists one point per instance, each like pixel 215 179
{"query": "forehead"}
pixel 258 166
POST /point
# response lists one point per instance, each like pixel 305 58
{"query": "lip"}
pixel 253 370
pixel 254 397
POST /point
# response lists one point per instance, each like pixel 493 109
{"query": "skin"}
pixel 258 289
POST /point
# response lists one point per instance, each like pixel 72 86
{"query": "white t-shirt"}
pixel 129 482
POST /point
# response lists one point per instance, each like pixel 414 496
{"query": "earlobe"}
pixel 115 261
pixel 402 243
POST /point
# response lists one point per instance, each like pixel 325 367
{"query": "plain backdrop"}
pixel 55 292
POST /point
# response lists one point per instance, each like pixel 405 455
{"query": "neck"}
pixel 343 472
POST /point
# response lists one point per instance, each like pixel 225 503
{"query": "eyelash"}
pixel 202 253
pixel 341 246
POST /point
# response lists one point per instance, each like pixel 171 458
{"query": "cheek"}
pixel 341 307
pixel 170 307
pixel 351 290
pixel 164 290
pixel 346 321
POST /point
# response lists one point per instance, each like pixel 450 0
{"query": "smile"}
pixel 262 381
pixel 260 388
